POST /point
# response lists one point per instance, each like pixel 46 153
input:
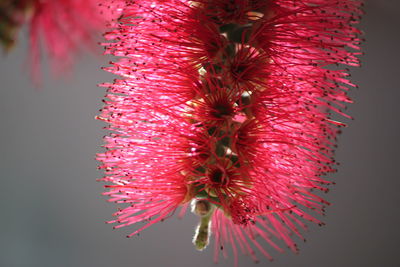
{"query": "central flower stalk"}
pixel 223 108
pixel 205 210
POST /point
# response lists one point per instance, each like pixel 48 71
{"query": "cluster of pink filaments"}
pixel 225 104
pixel 63 26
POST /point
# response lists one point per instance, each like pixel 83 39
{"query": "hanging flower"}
pixel 65 26
pixel 226 105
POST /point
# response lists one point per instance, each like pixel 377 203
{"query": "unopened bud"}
pixel 201 207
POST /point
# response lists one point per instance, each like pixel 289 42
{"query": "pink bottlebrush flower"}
pixel 64 26
pixel 227 105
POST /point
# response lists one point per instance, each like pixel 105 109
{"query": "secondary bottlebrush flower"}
pixel 65 26
pixel 226 105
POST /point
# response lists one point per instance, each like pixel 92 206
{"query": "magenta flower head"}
pixel 225 106
pixel 64 26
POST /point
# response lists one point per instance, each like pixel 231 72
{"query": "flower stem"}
pixel 203 232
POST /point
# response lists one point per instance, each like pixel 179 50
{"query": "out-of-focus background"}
pixel 53 214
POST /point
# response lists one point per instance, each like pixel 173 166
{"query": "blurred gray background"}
pixel 53 214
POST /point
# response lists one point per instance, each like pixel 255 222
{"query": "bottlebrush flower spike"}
pixel 226 104
pixel 64 26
